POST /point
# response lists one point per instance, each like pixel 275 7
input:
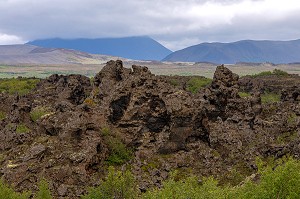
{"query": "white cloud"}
pixel 10 39
pixel 175 23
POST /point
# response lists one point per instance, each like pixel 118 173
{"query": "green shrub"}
pixel 276 72
pixel 118 185
pixel 270 98
pixel 279 72
pixel 119 154
pixel 21 86
pixel 261 74
pixel 196 83
pixel 174 82
pixel 37 113
pixel 2 115
pixel 188 188
pixel 22 128
pixel 44 191
pixel 6 192
pixel 279 181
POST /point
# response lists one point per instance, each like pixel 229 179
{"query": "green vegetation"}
pixel 8 193
pixel 89 101
pixel 196 83
pixel 22 128
pixel 44 191
pixel 105 131
pixel 286 137
pixel 244 94
pixel 274 179
pixel 276 72
pixel 21 86
pixel 2 115
pixel 280 180
pixel 174 82
pixel 270 98
pixel 118 185
pixel 38 112
pixel 119 154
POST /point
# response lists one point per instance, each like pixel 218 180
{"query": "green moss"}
pixel 2 115
pixel 196 83
pixel 244 94
pixel 270 98
pixel 22 128
pixel 21 86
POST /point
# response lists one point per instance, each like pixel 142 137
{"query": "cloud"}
pixel 10 39
pixel 175 23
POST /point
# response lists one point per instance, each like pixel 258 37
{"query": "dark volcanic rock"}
pixel 166 128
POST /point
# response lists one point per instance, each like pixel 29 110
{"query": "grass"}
pixel 21 86
pixel 196 83
pixel 22 128
pixel 38 112
pixel 244 94
pixel 270 98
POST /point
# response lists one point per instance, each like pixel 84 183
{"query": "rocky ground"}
pixel 135 120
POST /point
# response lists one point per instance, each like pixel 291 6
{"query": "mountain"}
pixel 138 48
pixel 240 51
pixel 29 54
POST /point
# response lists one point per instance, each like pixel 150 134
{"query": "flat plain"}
pixel 157 68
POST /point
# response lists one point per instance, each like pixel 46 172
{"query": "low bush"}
pixel 196 83
pixel 44 191
pixel 276 72
pixel 117 185
pixel 6 192
pixel 21 86
pixel 119 154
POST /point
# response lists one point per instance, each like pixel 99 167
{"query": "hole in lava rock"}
pixel 118 107
pixel 77 134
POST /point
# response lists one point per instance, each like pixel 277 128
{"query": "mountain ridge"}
pixel 257 51
pixel 137 47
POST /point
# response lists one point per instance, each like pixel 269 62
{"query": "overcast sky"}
pixel 174 23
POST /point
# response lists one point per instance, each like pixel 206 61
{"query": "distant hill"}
pixel 138 48
pixel 241 51
pixel 29 54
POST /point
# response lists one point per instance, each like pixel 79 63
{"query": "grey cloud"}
pixel 173 22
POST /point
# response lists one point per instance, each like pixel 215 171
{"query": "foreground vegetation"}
pixel 279 179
